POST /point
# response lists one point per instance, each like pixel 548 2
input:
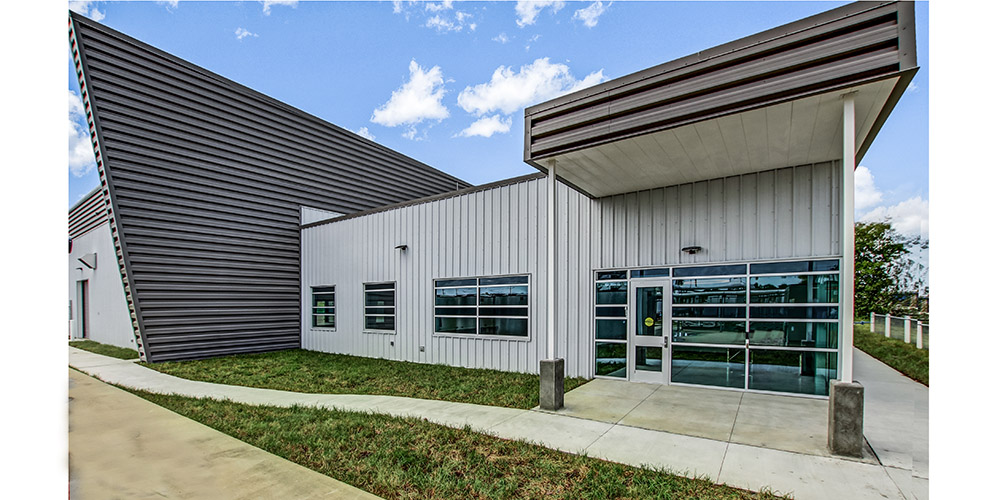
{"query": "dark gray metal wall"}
pixel 205 178
pixel 87 214
pixel 850 45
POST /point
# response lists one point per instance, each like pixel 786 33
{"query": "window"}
pixel 324 307
pixel 494 306
pixel 380 307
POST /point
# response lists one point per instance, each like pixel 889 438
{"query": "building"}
pixel 691 223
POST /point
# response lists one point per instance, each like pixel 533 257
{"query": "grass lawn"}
pixel 410 458
pixel 317 372
pixel 105 349
pixel 905 358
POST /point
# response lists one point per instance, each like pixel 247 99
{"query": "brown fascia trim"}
pixel 427 199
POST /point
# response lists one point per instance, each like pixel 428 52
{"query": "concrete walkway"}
pixel 751 467
pixel 122 446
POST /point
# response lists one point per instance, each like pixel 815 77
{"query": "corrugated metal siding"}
pixel 109 319
pixel 206 178
pixel 503 231
pixel 839 48
pixel 88 214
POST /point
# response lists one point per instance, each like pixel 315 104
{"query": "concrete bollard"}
pixel 550 380
pixel 845 424
pixel 888 325
pixel 920 335
pixel 871 324
pixel 906 329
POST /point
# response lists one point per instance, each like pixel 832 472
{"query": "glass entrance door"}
pixel 649 326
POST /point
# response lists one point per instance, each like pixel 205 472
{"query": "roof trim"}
pixel 84 199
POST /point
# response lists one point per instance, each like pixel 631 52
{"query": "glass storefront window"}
pixel 649 359
pixel 795 289
pixel 649 311
pixel 794 334
pixel 611 359
pixel 612 329
pixel 710 291
pixel 709 312
pixel 718 366
pixel 709 332
pixel 808 312
pixel 801 372
pixel 615 292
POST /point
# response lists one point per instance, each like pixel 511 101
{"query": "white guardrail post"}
pixel 906 329
pixel 871 324
pixel 888 325
pixel 920 335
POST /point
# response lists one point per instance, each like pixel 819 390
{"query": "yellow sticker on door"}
pixel 649 321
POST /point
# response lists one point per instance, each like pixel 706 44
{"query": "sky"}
pixel 447 82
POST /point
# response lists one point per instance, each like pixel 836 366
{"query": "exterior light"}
pixel 691 249
pixel 401 247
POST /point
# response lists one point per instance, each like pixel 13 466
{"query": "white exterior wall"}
pixel 109 317
pixel 787 213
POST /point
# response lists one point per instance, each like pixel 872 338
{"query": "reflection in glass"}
pixel 455 325
pixel 503 295
pixel 458 282
pixel 455 296
pixel 651 273
pixel 504 280
pixel 794 267
pixel 615 292
pixel 503 326
pixel 380 298
pixel 611 312
pixel 794 334
pixel 816 312
pixel 718 366
pixel 710 291
pixel 795 289
pixel 610 275
pixel 709 332
pixel 612 329
pixel 387 323
pixel 649 311
pixel 611 359
pixel 682 272
pixel 800 372
pixel 649 359
pixel 503 311
pixel 709 312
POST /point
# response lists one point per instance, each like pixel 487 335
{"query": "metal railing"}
pixel 903 328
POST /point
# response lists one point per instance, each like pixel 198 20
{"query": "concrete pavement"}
pixel 122 446
pixel 806 476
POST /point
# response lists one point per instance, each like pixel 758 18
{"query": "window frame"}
pixel 364 307
pixel 478 306
pixel 312 308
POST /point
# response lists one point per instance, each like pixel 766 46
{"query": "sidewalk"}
pixel 755 468
pixel 122 446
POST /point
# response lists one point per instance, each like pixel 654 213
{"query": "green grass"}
pixel 411 458
pixel 904 358
pixel 105 349
pixel 316 372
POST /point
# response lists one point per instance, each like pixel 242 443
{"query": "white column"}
pixel 888 325
pixel 871 324
pixel 847 237
pixel 920 335
pixel 906 329
pixel 550 319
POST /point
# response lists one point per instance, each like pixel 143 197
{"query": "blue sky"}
pixel 447 83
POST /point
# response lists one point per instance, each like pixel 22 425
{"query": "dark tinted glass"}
pixel 610 275
pixel 455 325
pixel 709 332
pixel 682 272
pixel 380 310
pixel 792 371
pixel 612 329
pixel 610 312
pixel 455 311
pixel 386 298
pixel 795 289
pixel 503 326
pixel 649 359
pixel 650 273
pixel 794 267
pixel 503 296
pixel 611 359
pixel 324 310
pixel 649 311
pixel 506 280
pixel 793 334
pixel 615 292
pixel 503 311
pixel 718 366
pixel 323 299
pixel 709 312
pixel 461 282
pixel 380 323
pixel 710 291
pixel 324 321
pixel 455 296
pixel 380 286
pixel 819 312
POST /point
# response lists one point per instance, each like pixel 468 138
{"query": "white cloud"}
pixel 502 38
pixel 865 193
pixel 909 217
pixel 81 151
pixel 416 100
pixel 242 33
pixel 528 10
pixel 269 3
pixel 171 4
pixel 509 91
pixel 590 14
pixel 434 7
pixel 912 87
pixel 87 8
pixel 487 126
pixel 363 132
pixel 442 25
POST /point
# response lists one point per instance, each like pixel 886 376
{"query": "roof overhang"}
pixel 766 101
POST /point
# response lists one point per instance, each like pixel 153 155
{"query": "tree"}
pixel 879 266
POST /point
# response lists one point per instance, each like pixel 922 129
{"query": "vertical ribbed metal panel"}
pixel 205 178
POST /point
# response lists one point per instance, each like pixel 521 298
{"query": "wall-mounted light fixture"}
pixel 691 250
pixel 401 247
